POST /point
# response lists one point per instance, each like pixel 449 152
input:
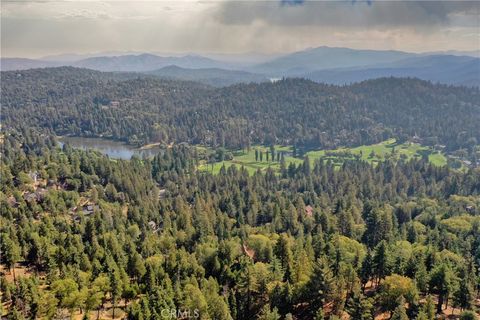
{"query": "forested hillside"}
pixel 86 235
pixel 293 111
pixel 212 76
pixel 345 234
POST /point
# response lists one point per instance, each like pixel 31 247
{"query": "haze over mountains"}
pixel 320 58
pixel 212 76
pixel 322 64
pixel 447 69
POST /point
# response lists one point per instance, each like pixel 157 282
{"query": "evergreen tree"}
pixel 400 312
pixel 464 295
pixel 10 253
pixel 468 315
pixel 366 270
pixel 428 309
pixel 381 261
pixel 283 252
pixel 116 287
pixel 319 288
pixel 441 280
pixel 421 277
pixel 359 307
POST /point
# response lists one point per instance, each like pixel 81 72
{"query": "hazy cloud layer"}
pixel 33 29
pixel 349 14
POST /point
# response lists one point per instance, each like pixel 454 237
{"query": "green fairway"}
pixel 247 159
pixel 385 150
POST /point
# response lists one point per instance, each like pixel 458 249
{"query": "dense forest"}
pixel 84 236
pixel 87 236
pixel 139 110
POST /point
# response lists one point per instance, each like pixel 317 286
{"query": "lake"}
pixel 111 148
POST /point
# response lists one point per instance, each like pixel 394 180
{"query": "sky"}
pixel 39 28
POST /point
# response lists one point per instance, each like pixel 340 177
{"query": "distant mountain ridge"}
pixel 147 62
pixel 454 70
pixel 326 58
pixel 322 64
pixel 10 64
pixel 129 63
pixel 212 76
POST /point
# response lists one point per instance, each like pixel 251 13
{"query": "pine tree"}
pixel 366 271
pixel 464 296
pixel 359 307
pixel 116 287
pixel 428 309
pixel 10 253
pixel 468 315
pixel 319 315
pixel 283 252
pixel 400 312
pixel 319 288
pixel 381 261
pixel 441 280
pixel 421 277
pixel 421 316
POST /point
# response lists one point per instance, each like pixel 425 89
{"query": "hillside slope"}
pixel 291 111
pixel 212 76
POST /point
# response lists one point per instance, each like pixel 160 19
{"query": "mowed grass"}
pixel 385 150
pixel 374 154
pixel 246 159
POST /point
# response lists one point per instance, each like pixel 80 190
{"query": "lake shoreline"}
pixel 114 149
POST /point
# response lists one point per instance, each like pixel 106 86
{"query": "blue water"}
pixel 111 148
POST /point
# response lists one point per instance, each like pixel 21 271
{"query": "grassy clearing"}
pixel 247 159
pixel 385 150
pixel 376 153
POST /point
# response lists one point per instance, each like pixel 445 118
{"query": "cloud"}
pixel 41 28
pixel 347 14
pixel 292 2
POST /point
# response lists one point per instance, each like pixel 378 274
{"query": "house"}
pixel 416 138
pixel 37 196
pixel 12 202
pixel 467 163
pixel 41 193
pixel 87 212
pixel 89 209
pixel 152 225
pixel 470 209
pixel 34 176
pixel 51 183
pixel 114 104
pixel 161 193
pixel 249 252
pixel 309 211
pixel 30 196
